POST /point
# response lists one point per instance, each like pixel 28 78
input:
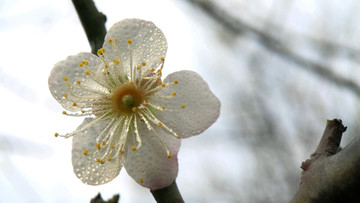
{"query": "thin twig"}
pixel 92 21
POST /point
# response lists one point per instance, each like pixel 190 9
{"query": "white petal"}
pixel 150 161
pixel 70 69
pixel 148 42
pixel 202 107
pixel 86 168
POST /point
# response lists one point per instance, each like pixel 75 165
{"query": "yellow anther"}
pixel 104 73
pixel 116 39
pixel 56 134
pixel 129 41
pixel 176 82
pixel 86 152
pixel 162 59
pixel 65 96
pixel 159 124
pixel 169 155
pixel 160 83
pixel 116 61
pixel 102 161
pixel 98 160
pixel 110 40
pixel 121 152
pixel 109 158
pixel 106 66
pixel 99 52
pixel 173 93
pixel 67 85
pixel 141 180
pixel 163 85
pixel 103 143
pixel 131 83
pixel 85 62
pixel 102 50
pixel 65 79
pixel 64 112
pixel 162 107
pixel 134 109
pixel 78 82
pixel 82 111
pixel 133 148
pixel 74 104
pixel 87 72
pixel 138 67
pixel 152 70
pixel 112 146
pixel 98 146
pixel 182 106
pixel 143 63
pixel 81 64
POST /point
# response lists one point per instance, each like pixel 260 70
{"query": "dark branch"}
pixel 98 199
pixel 169 194
pixel 271 41
pixel 331 175
pixel 92 21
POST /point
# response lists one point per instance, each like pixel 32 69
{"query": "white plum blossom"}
pixel 133 118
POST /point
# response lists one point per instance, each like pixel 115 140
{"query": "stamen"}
pixel 85 127
pixel 56 134
pixel 86 152
pixel 65 79
pixel 153 119
pixel 138 139
pixel 132 70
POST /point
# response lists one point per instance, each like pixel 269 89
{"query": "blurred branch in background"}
pixel 331 174
pixel 278 41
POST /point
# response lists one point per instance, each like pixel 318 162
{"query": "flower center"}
pixel 127 98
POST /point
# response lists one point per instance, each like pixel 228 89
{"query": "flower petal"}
pixel 68 72
pixel 150 162
pixel 148 43
pixel 86 168
pixel 202 107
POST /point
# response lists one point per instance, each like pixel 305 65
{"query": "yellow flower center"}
pixel 126 99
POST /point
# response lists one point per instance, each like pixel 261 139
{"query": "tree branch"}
pixel 169 194
pixel 272 42
pixel 92 21
pixel 331 174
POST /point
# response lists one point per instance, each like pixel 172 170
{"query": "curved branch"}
pixel 331 174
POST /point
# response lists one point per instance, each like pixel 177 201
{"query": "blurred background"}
pixel 281 68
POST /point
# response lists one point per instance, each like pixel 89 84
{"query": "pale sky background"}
pixel 223 164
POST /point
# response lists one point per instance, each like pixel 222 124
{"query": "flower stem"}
pixel 93 22
pixel 169 194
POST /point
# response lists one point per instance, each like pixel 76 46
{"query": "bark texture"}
pixel 331 174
